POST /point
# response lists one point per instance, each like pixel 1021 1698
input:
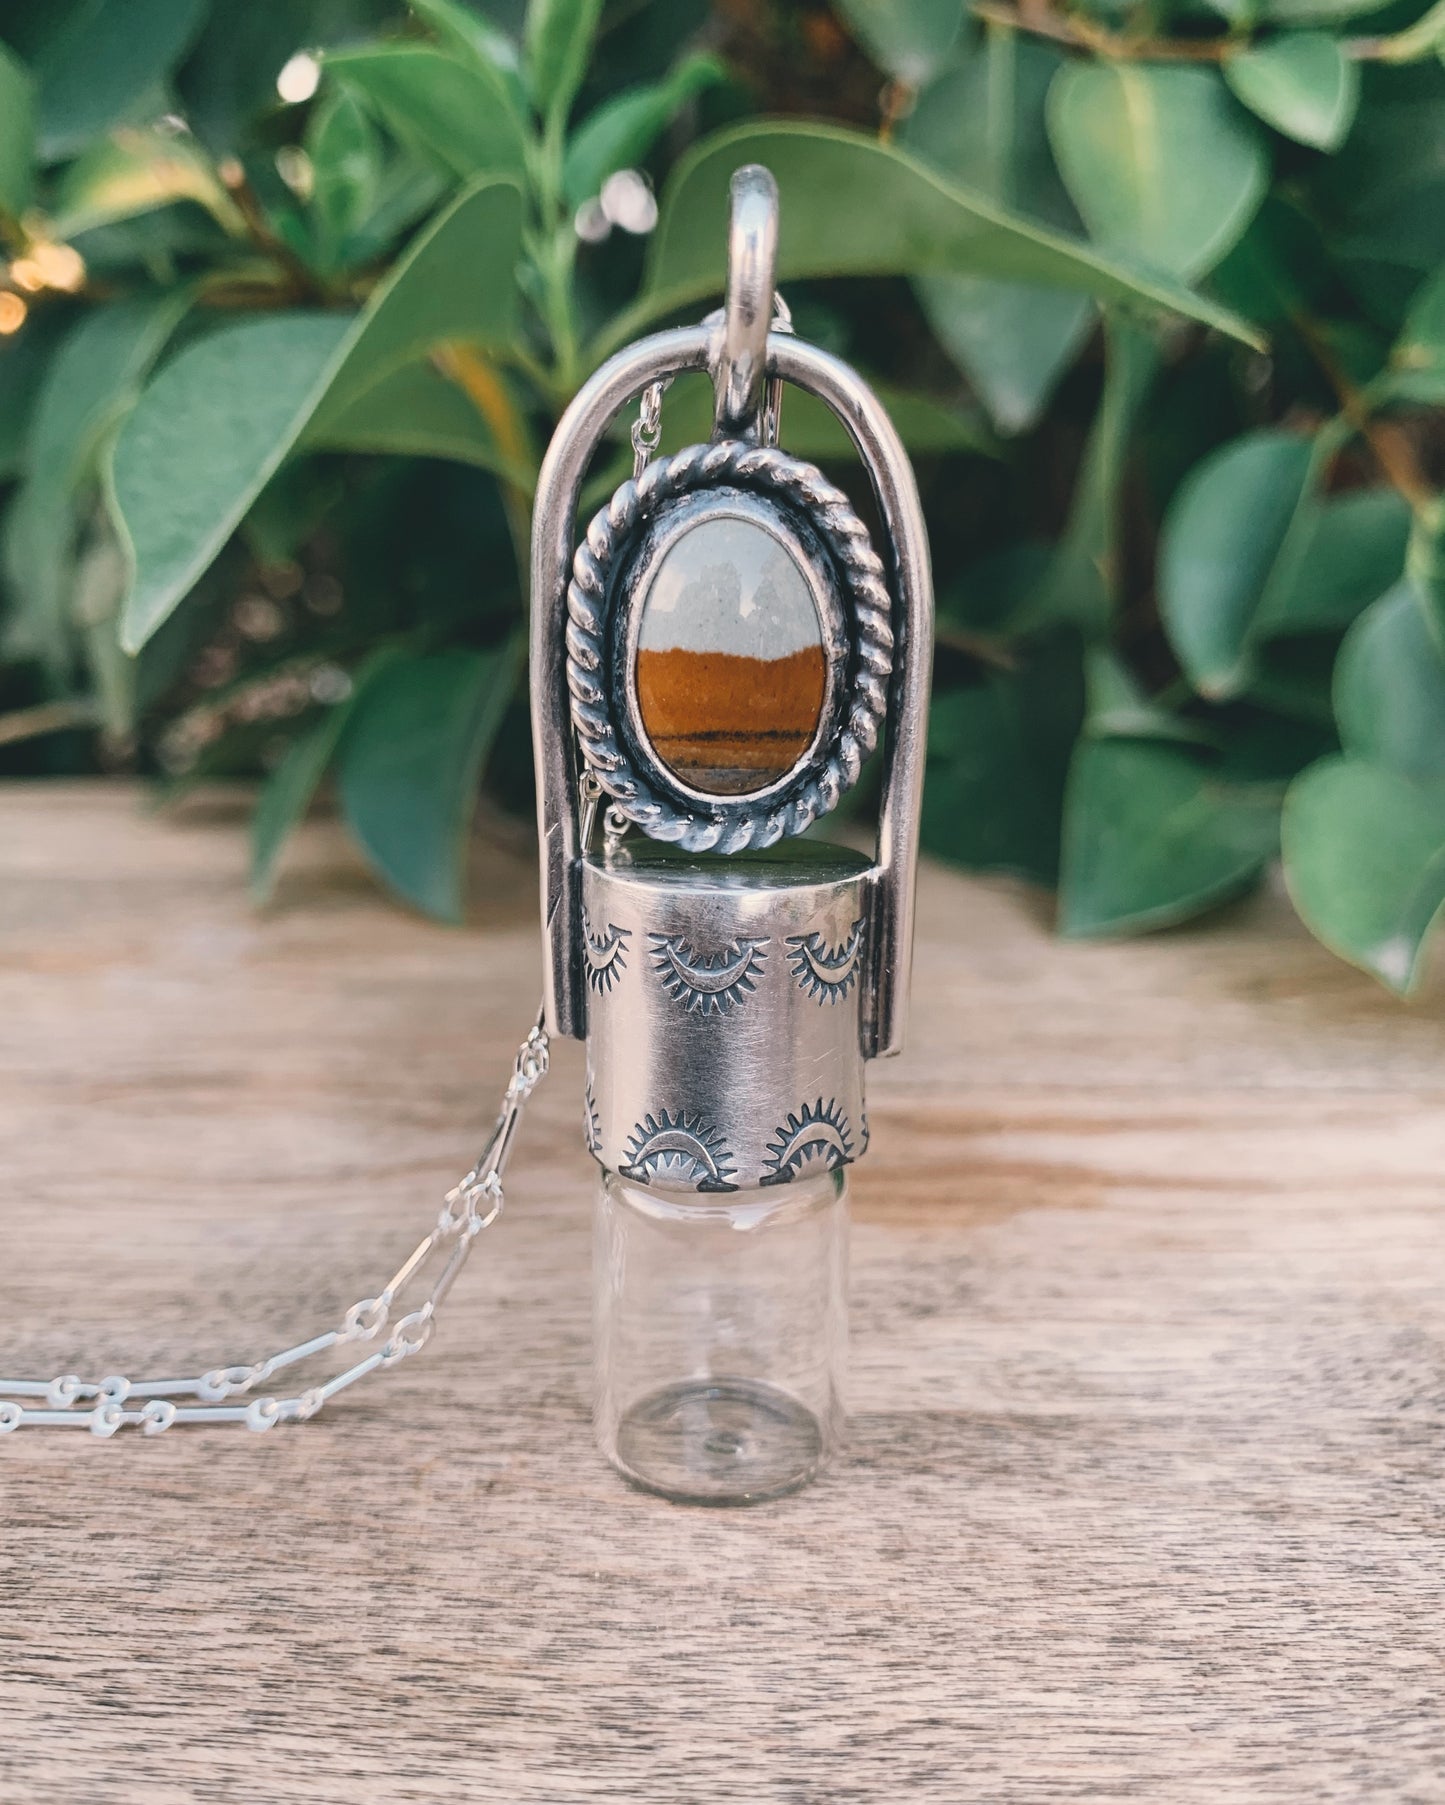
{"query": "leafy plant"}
pixel 294 296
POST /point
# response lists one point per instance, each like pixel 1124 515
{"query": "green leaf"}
pixel 1292 681
pixel 990 596
pixel 289 791
pixel 1152 837
pixel 287 795
pixel 1119 708
pixel 812 430
pixel 899 219
pixel 417 412
pixel 24 361
pixel 622 130
pixel 1159 160
pixel 998 756
pixel 557 43
pixel 1347 549
pixel 1302 84
pixel 346 162
pixel 103 62
pixel 136 170
pixel 92 380
pixel 1252 553
pixel 1425 565
pixel 1390 688
pixel 456 114
pixel 1221 537
pixel 1382 194
pixel 409 765
pixel 1417 362
pixel 925 425
pixel 908 38
pixel 409 189
pixel 96 591
pixel 226 87
pixel 1425 322
pixel 17 135
pixel 180 487
pixel 1280 271
pixel 1364 861
pixel 1081 583
pixel 983 123
pixel 466 33
pixel 1013 342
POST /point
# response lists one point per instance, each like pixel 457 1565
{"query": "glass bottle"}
pixel 724 1102
pixel 721 1331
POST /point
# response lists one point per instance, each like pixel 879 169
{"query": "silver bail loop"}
pixel 741 364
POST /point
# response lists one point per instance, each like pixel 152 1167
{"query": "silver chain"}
pixel 155 1405
pixel 105 1406
pixel 647 427
pixel 771 420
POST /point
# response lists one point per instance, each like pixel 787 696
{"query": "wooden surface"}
pixel 1146 1497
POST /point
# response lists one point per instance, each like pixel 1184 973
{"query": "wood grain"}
pixel 1146 1496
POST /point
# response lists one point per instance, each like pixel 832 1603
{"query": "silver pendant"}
pixel 624 625
pixel 715 660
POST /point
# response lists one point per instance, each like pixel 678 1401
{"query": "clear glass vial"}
pixel 721 1332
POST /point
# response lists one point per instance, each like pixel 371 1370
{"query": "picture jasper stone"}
pixel 730 670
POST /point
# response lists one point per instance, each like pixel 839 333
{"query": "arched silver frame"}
pixel 582 428
pixel 781 494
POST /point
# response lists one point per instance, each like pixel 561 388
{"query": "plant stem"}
pixel 984 647
pixel 46 717
pixel 1392 448
pixel 556 273
pixel 536 372
pixel 477 378
pixel 1418 40
pixel 1082 34
pixel 555 254
pixel 1415 41
pixel 305 283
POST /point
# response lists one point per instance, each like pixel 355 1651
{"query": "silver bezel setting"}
pixel 795 502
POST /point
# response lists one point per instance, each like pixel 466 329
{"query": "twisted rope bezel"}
pixel 640 786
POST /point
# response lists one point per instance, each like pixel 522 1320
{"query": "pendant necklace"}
pixel 714 659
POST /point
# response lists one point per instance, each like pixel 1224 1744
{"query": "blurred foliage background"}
pixel 293 292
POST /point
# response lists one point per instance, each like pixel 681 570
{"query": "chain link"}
pixel 770 421
pixel 647 427
pixel 230 1394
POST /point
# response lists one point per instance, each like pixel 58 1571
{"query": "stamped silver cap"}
pixel 723 1014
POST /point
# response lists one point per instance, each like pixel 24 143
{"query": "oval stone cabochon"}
pixel 730 670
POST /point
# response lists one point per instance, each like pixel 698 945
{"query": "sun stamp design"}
pixel 680 1149
pixel 826 972
pixel 707 984
pixel 605 954
pixel 818 1137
